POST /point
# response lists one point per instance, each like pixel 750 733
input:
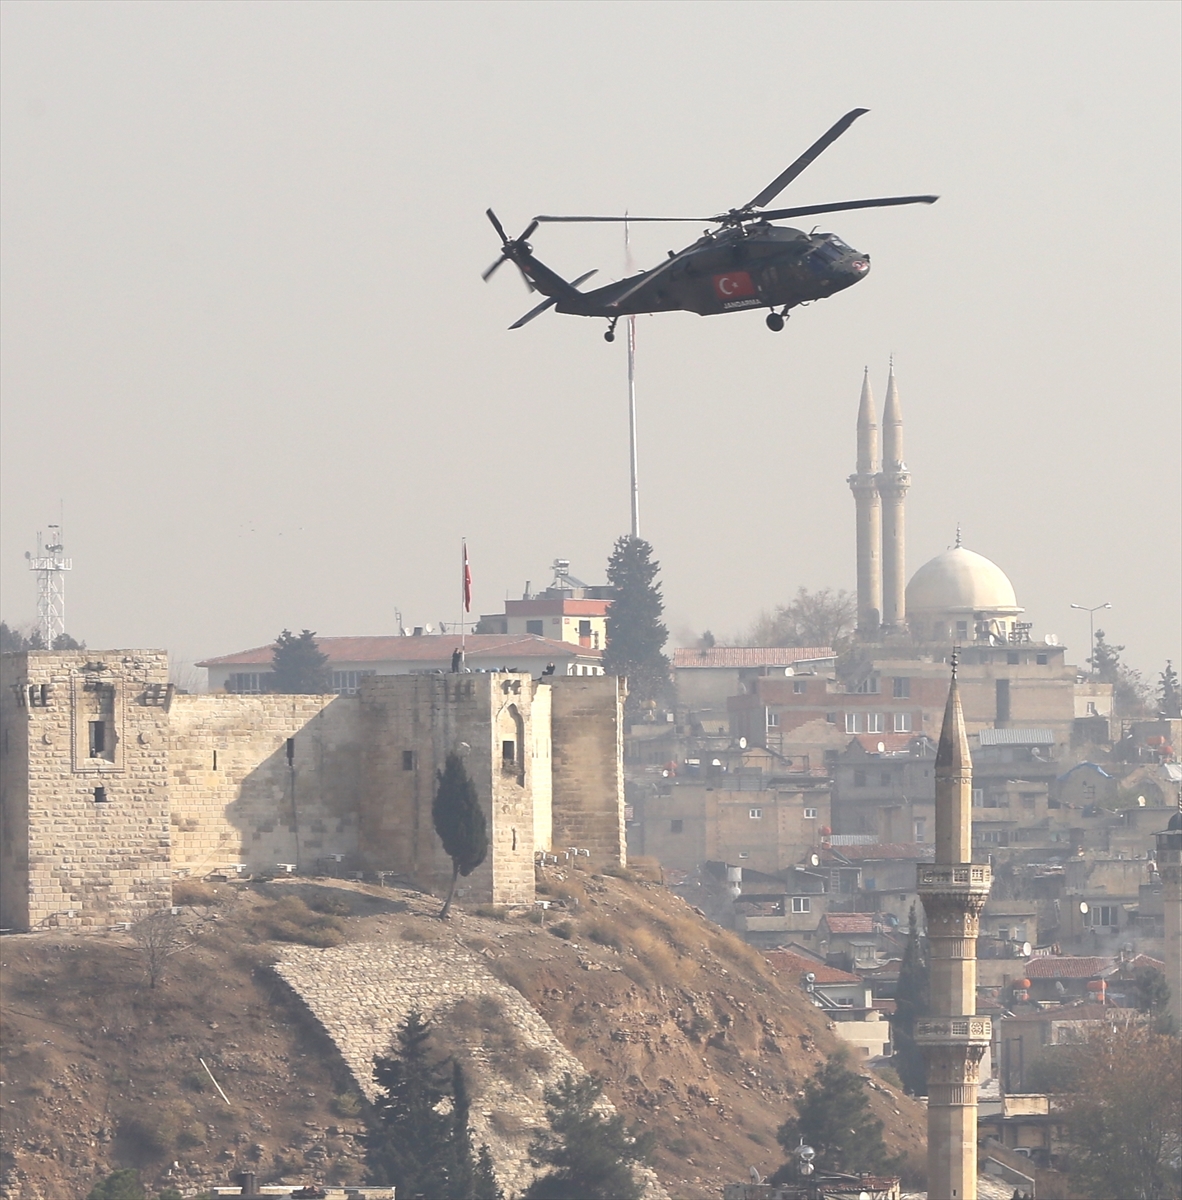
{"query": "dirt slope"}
pixel 694 1034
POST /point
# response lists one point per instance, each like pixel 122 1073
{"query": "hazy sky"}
pixel 246 343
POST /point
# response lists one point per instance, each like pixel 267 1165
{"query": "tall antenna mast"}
pixel 51 567
pixel 632 395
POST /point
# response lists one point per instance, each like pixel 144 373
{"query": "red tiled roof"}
pixel 849 922
pixel 1067 967
pixel 429 647
pixel 749 656
pixel 797 964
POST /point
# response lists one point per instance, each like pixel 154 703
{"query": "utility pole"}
pixel 1091 630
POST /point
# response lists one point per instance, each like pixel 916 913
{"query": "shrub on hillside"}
pixel 291 920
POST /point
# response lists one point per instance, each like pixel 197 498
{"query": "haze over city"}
pixel 248 351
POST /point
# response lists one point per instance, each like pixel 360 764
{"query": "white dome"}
pixel 960 581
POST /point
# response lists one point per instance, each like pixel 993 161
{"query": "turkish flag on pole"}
pixel 467 581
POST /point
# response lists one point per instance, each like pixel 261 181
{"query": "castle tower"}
pixel 893 482
pixel 953 1038
pixel 863 483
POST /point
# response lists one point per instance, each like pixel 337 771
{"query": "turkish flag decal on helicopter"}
pixel 734 285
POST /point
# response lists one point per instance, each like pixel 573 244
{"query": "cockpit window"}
pixel 828 252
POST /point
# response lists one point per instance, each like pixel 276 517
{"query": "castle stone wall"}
pixel 587 730
pixel 263 780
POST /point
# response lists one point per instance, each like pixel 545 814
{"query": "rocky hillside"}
pixel 288 987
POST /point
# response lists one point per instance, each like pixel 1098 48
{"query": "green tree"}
pixel 1153 997
pixel 297 666
pixel 833 1118
pixel 822 618
pixel 1129 692
pixel 1169 698
pixel 64 641
pixel 1124 1116
pixel 462 1171
pixel 119 1185
pixel 409 1143
pixel 459 821
pixel 591 1154
pixel 635 634
pixel 485 1186
pixel 911 1001
pixel 12 641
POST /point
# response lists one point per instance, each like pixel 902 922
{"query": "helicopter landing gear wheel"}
pixel 610 335
pixel 775 321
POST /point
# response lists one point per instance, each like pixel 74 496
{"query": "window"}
pixel 1012 658
pixel 536 627
pixel 874 723
pixel 677 826
pixel 798 687
pixel 215 760
pixel 1041 659
pixel 1002 688
pixel 1028 800
pixel 902 722
pixel 851 722
pixel 755 814
pixel 98 739
pixel 802 904
pixel 901 689
pixel 810 814
pixel 831 718
pixel 962 631
pixel 348 683
pixel 39 695
pixel 859 779
pixel 508 753
pixel 1101 915
pixel 773 719
pixel 249 683
pixel 408 760
pixel 100 795
pixel 584 629
pixel 921 828
pixel 868 687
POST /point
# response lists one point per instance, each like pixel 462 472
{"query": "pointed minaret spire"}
pixel 893 482
pixel 863 483
pixel 953 1038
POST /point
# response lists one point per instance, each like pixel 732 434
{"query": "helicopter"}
pixel 746 262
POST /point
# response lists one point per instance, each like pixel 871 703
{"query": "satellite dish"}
pixel 1083 906
pixel 716 762
pixel 756 1177
pixel 742 743
pixel 1026 948
pixel 1140 801
pixel 810 978
pixel 881 747
pixel 428 628
pixel 789 672
pixel 1052 639
pixel 814 860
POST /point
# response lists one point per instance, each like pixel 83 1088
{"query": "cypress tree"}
pixel 409 1144
pixel 297 666
pixel 911 1001
pixel 459 821
pixel 592 1154
pixel 635 634
pixel 485 1186
pixel 462 1172
pixel 833 1119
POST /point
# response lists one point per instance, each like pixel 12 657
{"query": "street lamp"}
pixel 1091 630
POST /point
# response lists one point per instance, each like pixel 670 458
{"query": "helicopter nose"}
pixel 860 266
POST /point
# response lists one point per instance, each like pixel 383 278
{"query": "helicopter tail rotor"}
pixel 509 246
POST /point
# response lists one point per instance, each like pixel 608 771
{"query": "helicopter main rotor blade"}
pixel 492 216
pixel 624 219
pixel 649 276
pixel 782 180
pixel 808 210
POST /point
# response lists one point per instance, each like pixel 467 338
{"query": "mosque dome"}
pixel 960 581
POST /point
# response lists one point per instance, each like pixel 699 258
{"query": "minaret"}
pixel 953 1038
pixel 893 482
pixel 869 516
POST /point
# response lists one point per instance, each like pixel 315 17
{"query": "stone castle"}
pixel 113 784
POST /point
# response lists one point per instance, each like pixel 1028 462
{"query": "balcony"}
pixel 974 879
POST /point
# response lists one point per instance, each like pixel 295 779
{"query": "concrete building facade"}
pixel 113 783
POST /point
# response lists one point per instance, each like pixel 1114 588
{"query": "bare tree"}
pixel 821 618
pixel 159 936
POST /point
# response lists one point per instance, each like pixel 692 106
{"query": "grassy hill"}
pixel 695 1035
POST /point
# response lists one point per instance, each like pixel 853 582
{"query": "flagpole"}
pixel 632 395
pixel 464 602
